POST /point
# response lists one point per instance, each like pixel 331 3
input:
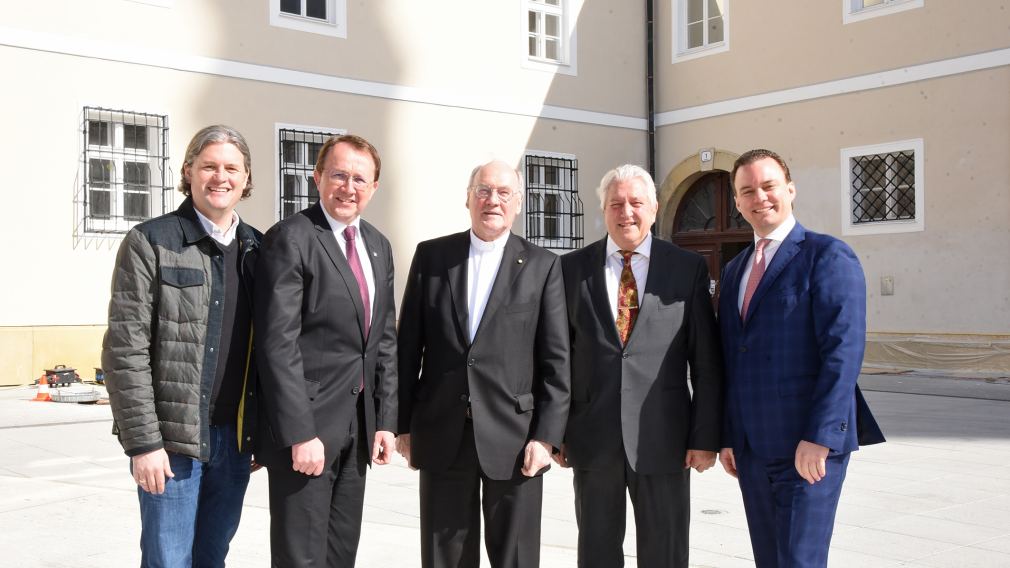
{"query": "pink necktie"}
pixel 756 272
pixel 352 258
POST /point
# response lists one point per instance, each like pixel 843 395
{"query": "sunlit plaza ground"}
pixel 936 495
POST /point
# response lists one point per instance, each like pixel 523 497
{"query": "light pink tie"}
pixel 756 272
pixel 350 233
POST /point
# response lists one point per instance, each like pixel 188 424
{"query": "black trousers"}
pixel 450 514
pixel 316 521
pixel 662 505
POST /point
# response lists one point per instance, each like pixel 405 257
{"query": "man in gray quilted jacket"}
pixel 177 357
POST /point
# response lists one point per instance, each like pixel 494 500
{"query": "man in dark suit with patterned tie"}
pixel 483 360
pixel 793 318
pixel 640 316
pixel 326 342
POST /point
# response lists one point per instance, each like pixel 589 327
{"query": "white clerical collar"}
pixel 643 248
pixel 781 232
pixel 223 236
pixel 338 226
pixel 481 247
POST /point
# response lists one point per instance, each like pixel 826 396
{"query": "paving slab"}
pixel 937 494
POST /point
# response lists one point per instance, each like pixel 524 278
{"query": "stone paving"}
pixel 936 495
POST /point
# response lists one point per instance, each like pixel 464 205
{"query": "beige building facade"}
pixel 895 119
pixel 101 100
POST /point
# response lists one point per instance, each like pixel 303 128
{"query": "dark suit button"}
pixel 464 397
pixel 355 390
pixel 625 355
pixel 743 349
pixel 844 426
pixel 470 363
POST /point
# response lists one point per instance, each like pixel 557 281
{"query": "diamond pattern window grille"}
pixel 883 187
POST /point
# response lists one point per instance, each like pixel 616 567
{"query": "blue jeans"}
pixel 192 522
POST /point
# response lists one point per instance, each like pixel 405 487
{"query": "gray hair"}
pixel 625 173
pixel 216 134
pixel 476 172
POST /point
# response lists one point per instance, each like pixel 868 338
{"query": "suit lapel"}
pixel 512 263
pixel 731 280
pixel 329 243
pixel 787 250
pixel 597 283
pixel 647 303
pixel 456 259
pixel 379 273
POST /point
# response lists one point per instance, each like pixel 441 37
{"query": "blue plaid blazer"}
pixel 791 366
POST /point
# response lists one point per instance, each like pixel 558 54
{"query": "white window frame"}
pixel 681 52
pixel 335 24
pixel 916 146
pixel 279 190
pixel 854 11
pixel 116 153
pixel 568 42
pixel 564 218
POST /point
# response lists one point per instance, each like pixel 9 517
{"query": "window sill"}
pixel 698 52
pixel 549 66
pixel 849 16
pixel 311 25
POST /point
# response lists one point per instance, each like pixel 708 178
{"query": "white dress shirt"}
pixel 223 236
pixel 776 237
pixel 481 270
pixel 615 264
pixel 363 255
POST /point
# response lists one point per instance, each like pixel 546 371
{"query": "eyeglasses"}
pixel 484 192
pixel 357 182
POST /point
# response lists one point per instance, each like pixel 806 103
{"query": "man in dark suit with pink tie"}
pixel 793 319
pixel 326 344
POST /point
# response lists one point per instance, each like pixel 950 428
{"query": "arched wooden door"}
pixel 708 223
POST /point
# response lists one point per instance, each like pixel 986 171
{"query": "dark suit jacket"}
pixel 633 401
pixel 791 367
pixel 515 372
pixel 310 340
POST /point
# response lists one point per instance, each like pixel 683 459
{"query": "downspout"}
pixel 650 94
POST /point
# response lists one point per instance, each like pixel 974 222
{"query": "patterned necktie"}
pixel 627 299
pixel 352 258
pixel 756 272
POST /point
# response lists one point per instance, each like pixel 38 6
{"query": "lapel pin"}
pixel 375 254
pixel 519 261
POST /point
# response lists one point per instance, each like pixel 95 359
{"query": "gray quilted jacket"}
pixel 159 353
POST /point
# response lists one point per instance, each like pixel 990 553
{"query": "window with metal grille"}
pixel 125 166
pixel 298 152
pixel 553 208
pixel 883 187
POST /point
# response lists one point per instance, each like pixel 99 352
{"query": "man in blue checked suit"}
pixel 792 314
